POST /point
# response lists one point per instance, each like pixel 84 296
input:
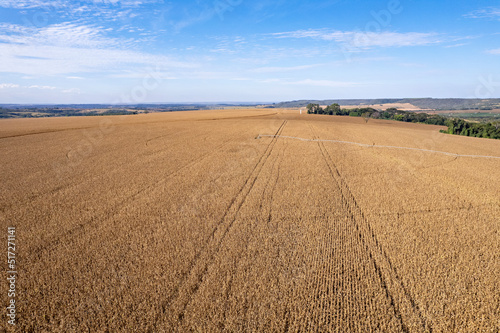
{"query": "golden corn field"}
pixel 259 220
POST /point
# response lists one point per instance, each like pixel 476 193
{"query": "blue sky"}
pixel 145 51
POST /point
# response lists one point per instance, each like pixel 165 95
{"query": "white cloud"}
pixel 273 81
pixel 27 4
pixel 283 69
pixel 495 51
pixel 71 91
pixel 312 83
pixel 192 19
pixel 64 34
pixel 325 83
pixel 69 48
pixel 188 13
pixel 17 86
pixel 412 65
pixel 362 40
pixel 8 85
pixel 68 60
pixel 42 87
pixel 490 12
pixel 151 73
pixel 42 12
pixel 456 45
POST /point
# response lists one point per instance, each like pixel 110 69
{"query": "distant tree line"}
pixel 455 126
pixel 462 127
pixel 57 112
pixel 422 103
pixel 37 112
pixel 390 114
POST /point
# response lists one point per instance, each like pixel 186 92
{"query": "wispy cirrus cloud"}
pixel 63 34
pixel 41 87
pixel 17 86
pixel 67 60
pixel 490 12
pixel 71 91
pixel 366 39
pixel 312 83
pixel 8 85
pixel 455 45
pixel 495 51
pixel 71 48
pixel 283 69
pixel 325 83
pixel 43 12
pixel 28 4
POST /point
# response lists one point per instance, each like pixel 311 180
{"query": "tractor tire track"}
pixel 191 281
pixel 351 216
pixel 265 215
pixel 376 253
pixel 45 132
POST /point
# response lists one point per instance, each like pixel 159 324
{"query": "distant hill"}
pixel 423 103
pixel 66 110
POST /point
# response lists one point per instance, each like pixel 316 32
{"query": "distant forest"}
pixel 390 114
pixel 423 103
pixel 455 126
pixel 72 110
pixel 462 127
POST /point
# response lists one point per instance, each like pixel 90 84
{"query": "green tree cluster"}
pixel 367 112
pixel 314 109
pixel 462 127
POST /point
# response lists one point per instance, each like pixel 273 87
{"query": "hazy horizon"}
pixel 237 103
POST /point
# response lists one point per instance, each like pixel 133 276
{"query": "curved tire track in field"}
pixel 140 159
pixel 317 139
pixel 376 253
pixel 46 132
pixel 190 281
pixel 171 134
